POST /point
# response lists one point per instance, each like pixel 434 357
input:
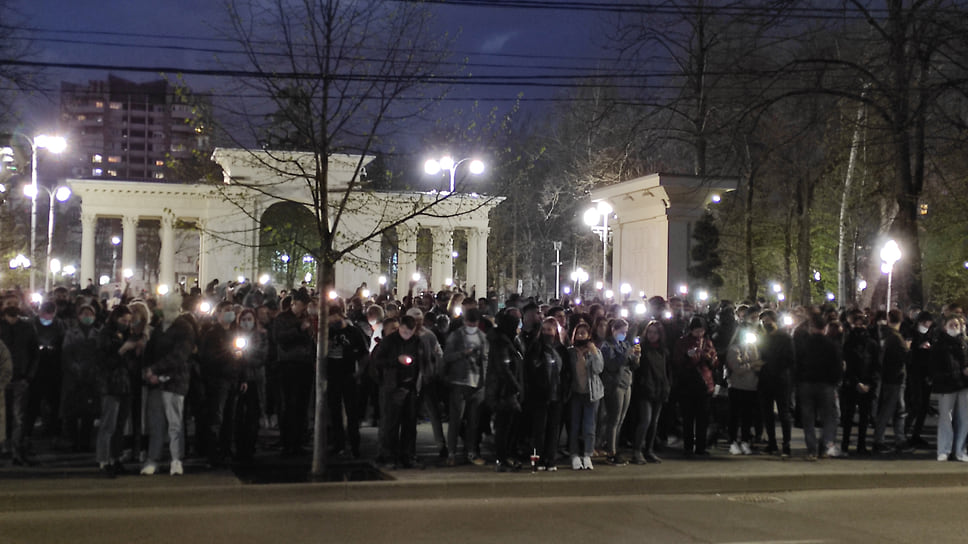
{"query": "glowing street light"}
pixel 890 254
pixel 54 194
pixel 163 290
pixel 54 144
pixel 447 164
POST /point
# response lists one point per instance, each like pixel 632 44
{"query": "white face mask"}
pixel 953 332
pixel 923 329
pixel 372 322
pixel 469 329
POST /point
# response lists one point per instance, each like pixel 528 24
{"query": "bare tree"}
pixel 337 78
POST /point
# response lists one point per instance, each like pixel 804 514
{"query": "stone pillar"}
pixel 406 257
pixel 204 259
pixel 618 277
pixel 166 262
pixel 129 244
pixel 477 260
pixel 88 228
pixel 443 260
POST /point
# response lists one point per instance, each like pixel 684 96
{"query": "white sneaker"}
pixel 176 468
pixel 942 457
pixel 745 447
pixel 963 457
pixel 576 463
pixel 734 449
pixel 835 452
pixel 149 469
pixel 586 463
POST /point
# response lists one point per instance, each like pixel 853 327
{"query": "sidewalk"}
pixel 71 481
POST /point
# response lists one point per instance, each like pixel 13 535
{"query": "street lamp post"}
pixel 890 254
pixel 58 194
pixel 593 216
pixel 54 144
pixel 557 246
pixel 446 163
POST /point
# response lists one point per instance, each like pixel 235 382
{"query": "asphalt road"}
pixel 887 515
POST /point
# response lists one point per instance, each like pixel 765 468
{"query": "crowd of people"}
pixel 549 383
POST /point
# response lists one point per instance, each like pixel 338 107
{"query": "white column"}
pixel 618 275
pixel 406 257
pixel 443 261
pixel 166 264
pixel 472 259
pixel 204 259
pixel 88 228
pixel 482 260
pixel 129 244
pixel 477 260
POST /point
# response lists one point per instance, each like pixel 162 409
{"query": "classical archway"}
pixel 287 236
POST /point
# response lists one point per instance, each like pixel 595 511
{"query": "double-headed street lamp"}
pixel 447 164
pixel 54 144
pixel 55 194
pixel 597 219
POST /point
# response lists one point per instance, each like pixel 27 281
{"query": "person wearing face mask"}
pixel 46 385
pixel 918 388
pixel 140 332
pixel 585 366
pixel 949 377
pixel 347 347
pixel 251 347
pixel 775 384
pixel 543 366
pixel 465 356
pixel 220 371
pixel 861 375
pixel 621 359
pixel 78 405
pixel 114 388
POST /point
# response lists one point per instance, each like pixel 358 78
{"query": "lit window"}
pixel 114 159
pixel 99 104
pixel 159 175
pixel 82 117
pixel 97 172
pixel 159 163
pixel 115 105
pixel 97 159
pixel 924 209
pixel 113 173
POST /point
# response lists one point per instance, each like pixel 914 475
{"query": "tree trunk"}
pixel 748 239
pixel 324 279
pixel 845 292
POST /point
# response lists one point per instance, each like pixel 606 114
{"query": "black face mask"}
pixel 770 327
pixel 11 312
pixel 582 343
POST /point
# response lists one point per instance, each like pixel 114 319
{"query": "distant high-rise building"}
pixel 119 129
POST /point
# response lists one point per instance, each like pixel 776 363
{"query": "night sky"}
pixel 512 42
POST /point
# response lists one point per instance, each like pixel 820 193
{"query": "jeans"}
pixel 818 399
pixel 465 405
pixel 890 404
pixel 399 424
pixel 649 413
pixel 111 428
pixel 430 397
pixel 17 397
pixel 583 413
pixel 694 406
pixel 297 380
pixel 616 407
pixel 342 395
pixel 545 424
pixel 777 393
pixel 165 413
pixel 742 407
pixel 852 400
pixel 952 422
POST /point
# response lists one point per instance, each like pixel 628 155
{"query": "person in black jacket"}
pixel 918 389
pixel 296 349
pixel 114 387
pixel 861 370
pixel 819 370
pixel 949 377
pixel 503 387
pixel 45 388
pixel 347 347
pixel 18 335
pixel 651 388
pixel 399 359
pixel 220 371
pixel 890 401
pixel 545 395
